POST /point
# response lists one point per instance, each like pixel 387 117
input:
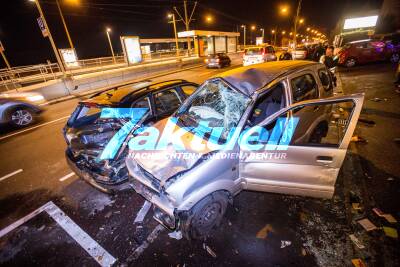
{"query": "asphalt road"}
pixel 84 227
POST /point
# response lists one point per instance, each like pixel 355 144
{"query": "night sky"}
pixel 87 21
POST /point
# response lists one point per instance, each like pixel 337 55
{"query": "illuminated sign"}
pixel 69 57
pixel 42 27
pixel 362 22
pixel 259 40
pixel 132 50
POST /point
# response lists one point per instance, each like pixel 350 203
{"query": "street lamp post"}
pixel 262 29
pixel 176 36
pixel 53 45
pixel 65 24
pixel 251 33
pixel 4 56
pixel 108 30
pixel 244 35
pixel 295 23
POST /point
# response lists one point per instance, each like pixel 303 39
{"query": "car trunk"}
pixel 87 136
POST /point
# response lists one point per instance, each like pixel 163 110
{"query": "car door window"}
pixel 320 124
pixel 304 87
pixel 325 79
pixel 141 103
pixel 188 89
pixel 166 101
pixel 269 103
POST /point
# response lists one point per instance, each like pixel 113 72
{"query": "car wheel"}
pixel 395 57
pixel 350 62
pixel 204 216
pixel 21 117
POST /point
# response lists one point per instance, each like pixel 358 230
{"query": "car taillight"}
pixel 206 60
pixel 217 60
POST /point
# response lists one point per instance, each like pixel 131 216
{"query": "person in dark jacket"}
pixel 318 52
pixel 328 59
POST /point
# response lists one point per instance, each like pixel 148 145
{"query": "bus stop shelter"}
pixel 211 42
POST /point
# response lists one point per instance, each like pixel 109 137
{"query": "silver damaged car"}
pixel 271 127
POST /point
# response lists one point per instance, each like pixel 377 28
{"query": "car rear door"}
pixel 299 156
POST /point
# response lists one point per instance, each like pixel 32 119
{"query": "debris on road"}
pixel 356 241
pixel 377 99
pixel 366 121
pixel 358 139
pixel 367 225
pixel 176 235
pixel 358 263
pixel 390 218
pixel 390 232
pixel 263 233
pixel 285 243
pixel 209 250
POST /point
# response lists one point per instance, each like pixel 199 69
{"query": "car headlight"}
pixel 35 98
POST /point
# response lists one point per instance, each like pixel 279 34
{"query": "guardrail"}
pixel 17 77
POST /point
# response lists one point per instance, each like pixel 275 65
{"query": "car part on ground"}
pixel 304 134
pixel 88 132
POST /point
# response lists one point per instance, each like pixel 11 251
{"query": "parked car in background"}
pixel 365 51
pixel 218 60
pixel 258 54
pixel 87 133
pixel 287 103
pixel 20 109
pixel 299 53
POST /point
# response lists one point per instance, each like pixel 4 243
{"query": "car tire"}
pixel 204 216
pixel 21 117
pixel 395 57
pixel 350 62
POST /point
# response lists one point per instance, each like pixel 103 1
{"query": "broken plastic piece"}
pixel 358 139
pixel 370 122
pixel 367 224
pixel 390 232
pixel 358 263
pixel 209 250
pixel 378 212
pixel 356 241
pixel 176 235
pixel 263 233
pixel 285 243
pixel 390 218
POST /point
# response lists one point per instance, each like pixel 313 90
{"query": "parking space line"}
pixel 34 127
pixel 150 239
pixel 62 179
pixel 142 212
pixel 81 237
pixel 10 174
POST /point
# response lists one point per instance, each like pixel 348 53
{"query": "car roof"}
pixel 254 77
pixel 117 95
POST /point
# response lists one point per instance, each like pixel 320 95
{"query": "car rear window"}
pixel 254 51
pixel 304 87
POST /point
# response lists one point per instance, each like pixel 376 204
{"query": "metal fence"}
pixel 17 77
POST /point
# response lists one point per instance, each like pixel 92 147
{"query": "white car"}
pixel 258 54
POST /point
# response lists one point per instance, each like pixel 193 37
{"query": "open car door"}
pixel 301 149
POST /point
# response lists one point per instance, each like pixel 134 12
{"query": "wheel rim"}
pixel 351 62
pixel 395 58
pixel 209 215
pixel 21 117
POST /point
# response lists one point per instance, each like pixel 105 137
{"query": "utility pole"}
pixel 295 24
pixel 108 30
pixel 262 29
pixel 176 35
pixel 244 35
pixel 50 37
pixel 65 24
pixel 187 21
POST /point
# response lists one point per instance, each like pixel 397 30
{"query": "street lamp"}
pixel 64 23
pixel 108 30
pixel 284 10
pixel 244 35
pixel 53 45
pixel 172 15
pixel 209 19
pixel 283 32
pixel 308 29
pixel 251 33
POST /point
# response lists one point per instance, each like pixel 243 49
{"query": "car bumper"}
pixel 90 177
pixel 213 65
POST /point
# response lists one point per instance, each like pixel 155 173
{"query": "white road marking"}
pixel 62 179
pixel 34 127
pixel 81 237
pixel 142 212
pixel 150 239
pixel 10 174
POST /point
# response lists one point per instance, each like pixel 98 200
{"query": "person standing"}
pixel 328 59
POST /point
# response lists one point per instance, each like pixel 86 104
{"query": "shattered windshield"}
pixel 215 105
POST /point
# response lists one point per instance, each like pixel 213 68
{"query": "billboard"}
pixel 361 22
pixel 42 27
pixel 132 50
pixel 69 57
pixel 259 40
